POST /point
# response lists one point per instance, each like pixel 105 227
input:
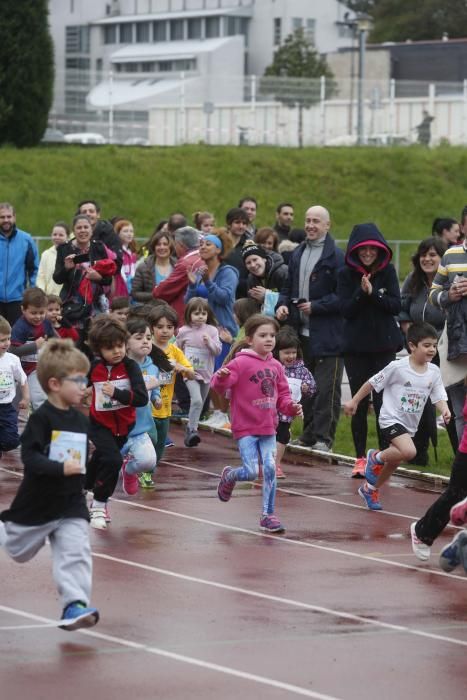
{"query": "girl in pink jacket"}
pixel 258 389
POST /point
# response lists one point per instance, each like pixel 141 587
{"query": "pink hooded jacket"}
pixel 258 390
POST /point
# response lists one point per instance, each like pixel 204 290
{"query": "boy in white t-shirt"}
pixel 408 384
pixel 11 374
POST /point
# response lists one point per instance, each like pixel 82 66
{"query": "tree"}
pixel 26 71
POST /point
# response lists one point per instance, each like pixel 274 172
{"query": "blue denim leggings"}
pixel 253 448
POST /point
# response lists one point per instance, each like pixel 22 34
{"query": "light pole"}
pixel 363 25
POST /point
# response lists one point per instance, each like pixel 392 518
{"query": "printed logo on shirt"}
pixel 407 384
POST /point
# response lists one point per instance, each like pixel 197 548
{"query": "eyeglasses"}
pixel 83 381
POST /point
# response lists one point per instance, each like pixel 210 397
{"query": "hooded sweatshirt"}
pixel 369 323
pixel 144 420
pixel 258 390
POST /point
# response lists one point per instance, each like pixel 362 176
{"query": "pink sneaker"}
pixel 459 513
pixel 130 481
pixel 279 473
pixel 226 485
pixel 271 523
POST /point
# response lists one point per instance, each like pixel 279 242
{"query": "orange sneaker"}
pixel 358 471
pixel 279 473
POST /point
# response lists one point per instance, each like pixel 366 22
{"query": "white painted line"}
pixel 287 540
pixel 285 601
pixel 244 675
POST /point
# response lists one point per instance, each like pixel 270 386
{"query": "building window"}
pixel 126 33
pixel 78 63
pixel 147 66
pixel 159 31
pixel 142 32
pixel 277 31
pixel 176 30
pixel 297 23
pixel 310 29
pixel 212 27
pixel 75 102
pixel 77 39
pixel 99 65
pixel 195 27
pixel 110 34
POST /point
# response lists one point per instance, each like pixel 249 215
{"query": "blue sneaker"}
pixel 169 442
pixel 451 555
pixel 77 615
pixel 372 467
pixel 370 496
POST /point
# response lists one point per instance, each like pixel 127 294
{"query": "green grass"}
pixel 400 189
pixel 343 444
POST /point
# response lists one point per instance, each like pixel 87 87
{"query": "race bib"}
pixel 166 377
pixel 198 357
pixel 67 445
pixel 108 403
pixel 413 402
pixel 7 384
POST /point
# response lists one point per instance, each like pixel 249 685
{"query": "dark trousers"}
pixel 321 413
pixel 11 310
pixel 9 437
pixel 436 518
pixel 105 463
pixel 182 393
pixel 359 369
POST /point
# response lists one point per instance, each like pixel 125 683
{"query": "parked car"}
pixel 53 136
pixel 136 141
pixel 86 137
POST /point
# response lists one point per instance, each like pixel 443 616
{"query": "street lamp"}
pixel 362 22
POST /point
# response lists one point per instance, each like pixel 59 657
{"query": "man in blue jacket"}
pixel 309 301
pixel 19 262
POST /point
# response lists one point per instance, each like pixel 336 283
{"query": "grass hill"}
pixel 401 189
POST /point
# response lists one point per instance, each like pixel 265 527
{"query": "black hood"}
pixel 367 234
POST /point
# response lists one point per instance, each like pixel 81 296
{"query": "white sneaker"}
pixel 98 518
pixel 213 419
pixel 222 419
pixel 421 550
pixel 321 446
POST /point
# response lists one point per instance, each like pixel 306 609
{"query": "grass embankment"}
pixel 401 189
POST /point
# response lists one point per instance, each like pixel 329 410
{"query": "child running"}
pixel 199 340
pixel 424 532
pixel 118 388
pixel 139 463
pixel 11 374
pixel 408 384
pixel 163 320
pixel 50 502
pixel 258 390
pixel 300 381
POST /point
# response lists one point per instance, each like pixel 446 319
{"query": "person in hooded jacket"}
pixel 368 290
pixel 267 274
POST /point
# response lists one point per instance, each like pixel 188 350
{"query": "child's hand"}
pixel 23 403
pixel 206 339
pixel 297 409
pixel 108 389
pixel 350 408
pixel 40 342
pixel 223 372
pixel 179 368
pixel 151 383
pixel 225 336
pixel 157 403
pixel 446 415
pixel 71 467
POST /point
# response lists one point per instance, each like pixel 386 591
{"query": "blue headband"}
pixel 214 239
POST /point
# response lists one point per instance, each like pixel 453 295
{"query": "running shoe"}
pixel 146 481
pixel 450 556
pixel 371 497
pixel 372 467
pixel 459 513
pixel 421 550
pixel 97 515
pixel 77 615
pixel 213 419
pixel 279 473
pixel 191 438
pixel 169 442
pixel 226 485
pixel 271 523
pixel 358 471
pixel 129 481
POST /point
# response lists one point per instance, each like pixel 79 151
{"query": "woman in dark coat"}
pixel 368 291
pixel 267 274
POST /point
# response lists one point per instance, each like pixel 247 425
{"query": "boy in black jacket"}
pixel 50 502
pixel 118 388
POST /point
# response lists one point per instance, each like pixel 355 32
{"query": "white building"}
pixel 132 53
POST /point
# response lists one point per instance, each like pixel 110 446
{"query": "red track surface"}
pixel 197 603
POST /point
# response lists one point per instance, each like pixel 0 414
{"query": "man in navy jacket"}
pixel 19 263
pixel 309 301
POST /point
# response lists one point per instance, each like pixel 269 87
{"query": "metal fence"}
pixel 241 110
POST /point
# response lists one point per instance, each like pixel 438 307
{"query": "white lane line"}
pixel 285 601
pixel 283 539
pixel 244 675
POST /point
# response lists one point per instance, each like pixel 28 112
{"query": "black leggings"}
pixel 436 518
pixel 359 369
pixel 105 463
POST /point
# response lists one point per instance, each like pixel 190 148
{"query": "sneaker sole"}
pixel 86 620
pixel 97 525
pixel 270 529
pixel 358 475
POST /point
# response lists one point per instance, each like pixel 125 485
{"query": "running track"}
pixel 196 603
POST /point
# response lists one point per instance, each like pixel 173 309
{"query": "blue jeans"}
pixel 252 448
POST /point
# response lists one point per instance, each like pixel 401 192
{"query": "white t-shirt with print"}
pixel 11 373
pixel 406 393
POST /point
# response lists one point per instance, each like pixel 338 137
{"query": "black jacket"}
pixel 276 274
pixel 235 259
pixel 369 323
pixel 71 278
